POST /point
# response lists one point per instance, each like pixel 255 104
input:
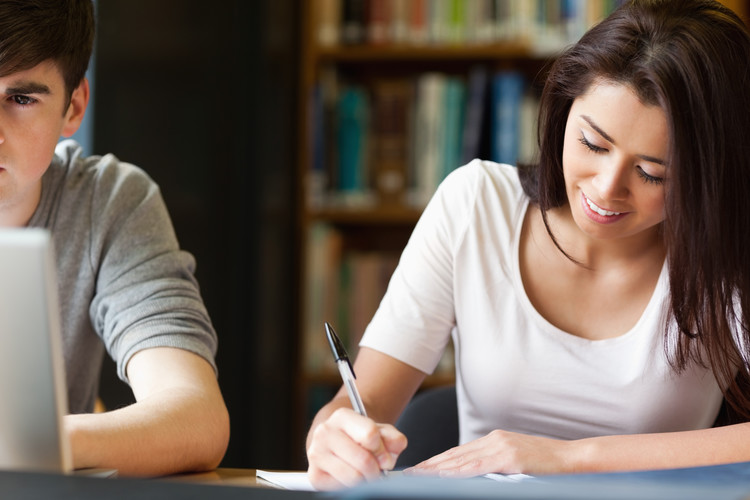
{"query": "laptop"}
pixel 33 394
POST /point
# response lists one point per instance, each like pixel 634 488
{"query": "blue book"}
pixel 352 129
pixel 507 93
pixel 474 117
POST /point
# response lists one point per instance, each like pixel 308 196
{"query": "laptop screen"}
pixel 32 380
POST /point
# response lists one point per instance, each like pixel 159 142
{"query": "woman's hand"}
pixel 348 448
pixel 501 452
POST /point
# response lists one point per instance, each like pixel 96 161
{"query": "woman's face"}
pixel 614 157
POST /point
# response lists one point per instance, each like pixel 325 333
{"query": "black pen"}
pixel 347 373
pixel 346 370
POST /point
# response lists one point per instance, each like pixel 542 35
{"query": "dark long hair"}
pixel 691 58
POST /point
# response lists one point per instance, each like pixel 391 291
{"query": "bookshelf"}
pixel 369 158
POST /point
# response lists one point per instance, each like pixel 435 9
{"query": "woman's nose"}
pixel 611 181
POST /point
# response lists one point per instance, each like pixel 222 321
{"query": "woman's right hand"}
pixel 348 448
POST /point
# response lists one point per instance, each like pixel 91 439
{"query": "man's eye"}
pixel 22 100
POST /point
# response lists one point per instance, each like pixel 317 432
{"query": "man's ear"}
pixel 79 100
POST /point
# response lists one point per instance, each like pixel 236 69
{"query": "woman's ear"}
pixel 79 100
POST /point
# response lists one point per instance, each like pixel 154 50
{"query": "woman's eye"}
pixel 648 178
pixel 591 147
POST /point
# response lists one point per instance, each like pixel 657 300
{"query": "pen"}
pixel 347 373
pixel 346 370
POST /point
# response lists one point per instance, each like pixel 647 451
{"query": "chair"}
pixel 430 423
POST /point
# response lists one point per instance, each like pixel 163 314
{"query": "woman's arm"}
pixel 508 452
pixel 343 448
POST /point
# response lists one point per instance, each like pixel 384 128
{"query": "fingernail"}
pixel 385 460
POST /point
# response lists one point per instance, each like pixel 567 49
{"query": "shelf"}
pixel 398 215
pixel 391 53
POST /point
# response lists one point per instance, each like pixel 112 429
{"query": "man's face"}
pixel 32 119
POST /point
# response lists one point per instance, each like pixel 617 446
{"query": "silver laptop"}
pixel 33 396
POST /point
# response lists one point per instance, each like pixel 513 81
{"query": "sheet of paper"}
pixel 287 480
pixel 508 478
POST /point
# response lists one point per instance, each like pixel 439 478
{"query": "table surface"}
pixel 220 484
pixel 226 476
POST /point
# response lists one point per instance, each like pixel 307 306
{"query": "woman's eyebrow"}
pixel 598 129
pixel 601 132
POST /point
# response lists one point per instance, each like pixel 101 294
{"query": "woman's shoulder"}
pixel 487 170
pixel 485 183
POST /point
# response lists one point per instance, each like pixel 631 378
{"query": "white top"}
pixel 459 276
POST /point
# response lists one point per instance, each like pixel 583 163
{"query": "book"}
pixel 391 109
pixel 379 21
pixel 368 274
pixel 328 22
pixel 324 254
pixel 399 26
pixel 507 93
pixel 418 28
pixel 545 26
pixel 354 22
pixel 323 170
pixel 475 115
pixel 528 148
pixel 453 121
pixel 428 133
pixel 352 130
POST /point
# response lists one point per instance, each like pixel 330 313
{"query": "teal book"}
pixel 453 111
pixel 352 132
pixel 507 93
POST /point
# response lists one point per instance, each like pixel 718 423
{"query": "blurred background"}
pixel 202 95
pixel 295 143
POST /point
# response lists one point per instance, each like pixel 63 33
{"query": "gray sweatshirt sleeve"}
pixel 120 257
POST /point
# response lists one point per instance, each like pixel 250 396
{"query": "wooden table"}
pixel 226 476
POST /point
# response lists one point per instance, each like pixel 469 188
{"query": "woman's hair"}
pixel 692 59
pixel 34 31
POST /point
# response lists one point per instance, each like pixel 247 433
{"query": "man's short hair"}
pixel 34 31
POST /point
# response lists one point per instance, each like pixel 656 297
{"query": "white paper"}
pixel 287 480
pixel 508 478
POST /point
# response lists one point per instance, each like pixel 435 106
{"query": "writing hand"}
pixel 348 448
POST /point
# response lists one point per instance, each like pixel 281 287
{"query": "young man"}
pixel 124 283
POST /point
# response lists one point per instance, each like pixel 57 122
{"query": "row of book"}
pixel 544 25
pixel 344 288
pixel 394 140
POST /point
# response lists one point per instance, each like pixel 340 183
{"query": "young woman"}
pixel 595 300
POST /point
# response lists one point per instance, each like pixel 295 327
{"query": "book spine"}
pixel 352 130
pixel 322 296
pixel 354 22
pixel 474 121
pixel 418 30
pixel 379 19
pixel 507 92
pixel 328 22
pixel 528 149
pixel 429 130
pixel 392 100
pixel 453 110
